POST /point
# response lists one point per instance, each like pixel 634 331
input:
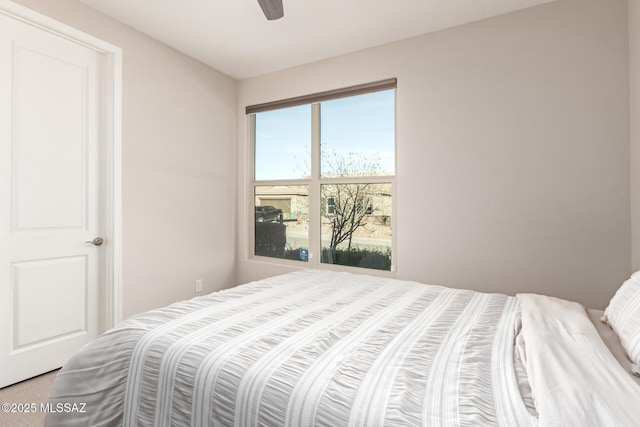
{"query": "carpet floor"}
pixel 30 393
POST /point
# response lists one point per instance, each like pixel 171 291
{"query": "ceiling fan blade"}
pixel 272 9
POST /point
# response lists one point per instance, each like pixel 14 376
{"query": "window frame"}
pixel 315 181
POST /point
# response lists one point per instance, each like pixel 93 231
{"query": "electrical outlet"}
pixel 198 286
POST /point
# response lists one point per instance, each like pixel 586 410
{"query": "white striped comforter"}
pixel 305 349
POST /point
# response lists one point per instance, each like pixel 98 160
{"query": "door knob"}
pixel 97 241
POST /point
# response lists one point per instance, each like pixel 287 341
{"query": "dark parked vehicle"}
pixel 268 213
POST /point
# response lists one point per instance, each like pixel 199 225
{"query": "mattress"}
pixel 319 348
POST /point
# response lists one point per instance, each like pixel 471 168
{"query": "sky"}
pixel 354 127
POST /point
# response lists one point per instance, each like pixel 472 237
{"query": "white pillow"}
pixel 623 315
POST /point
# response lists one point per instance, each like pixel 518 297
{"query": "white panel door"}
pixel 50 198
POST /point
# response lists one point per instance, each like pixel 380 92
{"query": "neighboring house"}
pixel 293 201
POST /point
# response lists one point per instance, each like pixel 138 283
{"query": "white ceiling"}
pixel 234 37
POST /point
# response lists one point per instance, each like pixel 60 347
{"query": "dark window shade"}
pixel 324 96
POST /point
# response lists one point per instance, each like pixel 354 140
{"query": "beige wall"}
pixel 179 123
pixel 513 153
pixel 634 91
pixel 512 149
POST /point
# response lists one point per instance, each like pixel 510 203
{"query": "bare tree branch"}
pixel 350 201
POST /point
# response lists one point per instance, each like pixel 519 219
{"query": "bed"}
pixel 323 348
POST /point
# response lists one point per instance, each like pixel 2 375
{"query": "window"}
pixel 331 205
pixel 324 177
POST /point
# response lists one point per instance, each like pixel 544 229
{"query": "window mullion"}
pixel 251 185
pixel 314 187
pixel 358 179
